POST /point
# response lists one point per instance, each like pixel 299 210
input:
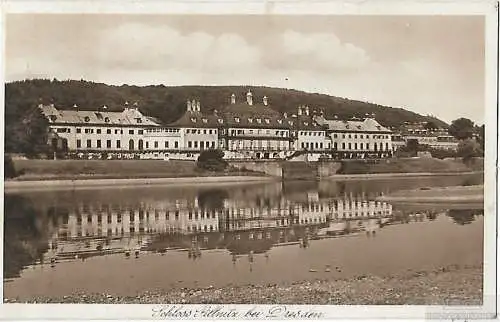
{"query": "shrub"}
pixel 212 160
pixel 9 168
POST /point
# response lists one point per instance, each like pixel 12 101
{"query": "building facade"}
pixel 246 129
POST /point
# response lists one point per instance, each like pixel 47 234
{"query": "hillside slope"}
pixel 168 103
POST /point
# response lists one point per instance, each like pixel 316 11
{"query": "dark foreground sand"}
pixel 452 285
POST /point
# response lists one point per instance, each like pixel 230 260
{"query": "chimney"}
pixel 285 115
pixel 188 103
pixel 198 106
pixel 307 110
pixel 264 100
pixel 249 98
pixel 233 99
pixel 193 105
pixel 299 110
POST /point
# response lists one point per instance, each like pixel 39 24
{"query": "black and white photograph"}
pixel 287 161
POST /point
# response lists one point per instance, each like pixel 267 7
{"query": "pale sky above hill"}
pixel 426 64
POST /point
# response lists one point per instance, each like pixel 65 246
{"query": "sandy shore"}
pixel 457 194
pixel 450 285
pixel 17 186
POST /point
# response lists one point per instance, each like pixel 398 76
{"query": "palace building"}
pixel 243 129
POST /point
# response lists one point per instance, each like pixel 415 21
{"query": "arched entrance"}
pixel 131 144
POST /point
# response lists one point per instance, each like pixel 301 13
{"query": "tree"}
pixel 431 125
pixel 461 128
pixel 8 167
pixel 468 149
pixel 212 160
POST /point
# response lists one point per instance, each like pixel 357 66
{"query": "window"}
pixel 209 131
pixel 130 131
pixel 87 119
pixel 166 144
pixel 78 144
pixel 355 146
pixel 140 131
pixel 156 144
pixel 89 143
pixel 361 146
pixel 343 136
pixel 118 145
pixel 195 144
pixel 106 119
pixel 343 146
pixel 98 143
pixel 176 144
pixel 108 131
pixel 190 144
pixel 204 131
pixel 147 145
pixel 98 131
pixel 108 144
pixel 78 130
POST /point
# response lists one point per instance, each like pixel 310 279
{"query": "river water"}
pixel 130 240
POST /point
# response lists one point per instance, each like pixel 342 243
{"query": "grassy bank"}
pixel 443 286
pixel 410 165
pixel 113 169
pixel 467 194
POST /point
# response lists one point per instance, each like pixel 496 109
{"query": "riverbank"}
pixel 410 165
pixel 11 186
pixel 436 195
pixel 452 285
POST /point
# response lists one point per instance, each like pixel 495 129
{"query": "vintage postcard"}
pixel 249 160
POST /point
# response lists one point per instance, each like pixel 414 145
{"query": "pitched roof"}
pixel 367 125
pixel 196 119
pixel 130 117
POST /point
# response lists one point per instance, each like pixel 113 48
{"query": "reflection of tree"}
pixel 462 216
pixel 24 240
pixel 212 199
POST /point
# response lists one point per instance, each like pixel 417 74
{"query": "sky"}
pixel 432 65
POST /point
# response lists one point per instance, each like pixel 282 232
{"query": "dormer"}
pixel 250 120
pixel 204 120
pixel 193 119
pixel 237 119
pixel 267 121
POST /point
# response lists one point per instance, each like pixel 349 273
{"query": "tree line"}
pixel 26 129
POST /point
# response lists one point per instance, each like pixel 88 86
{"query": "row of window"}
pixel 312 133
pixel 199 131
pixel 361 146
pixel 109 145
pixel 313 145
pixel 361 136
pixel 162 130
pixel 99 131
pixel 201 144
pixel 258 132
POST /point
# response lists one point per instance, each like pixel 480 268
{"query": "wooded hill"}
pixel 168 103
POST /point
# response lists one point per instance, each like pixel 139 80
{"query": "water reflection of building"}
pixel 238 225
